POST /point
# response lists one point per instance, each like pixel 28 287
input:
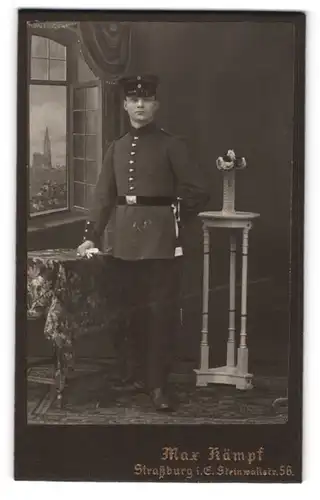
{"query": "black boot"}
pixel 160 400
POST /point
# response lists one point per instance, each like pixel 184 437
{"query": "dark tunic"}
pixel 145 162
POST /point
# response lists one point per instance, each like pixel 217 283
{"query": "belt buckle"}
pixel 131 200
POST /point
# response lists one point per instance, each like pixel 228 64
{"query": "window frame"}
pixel 61 83
pixel 84 85
pixel 109 129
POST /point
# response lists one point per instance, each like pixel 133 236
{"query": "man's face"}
pixel 141 110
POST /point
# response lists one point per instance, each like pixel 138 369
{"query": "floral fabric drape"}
pixel 74 296
pixel 106 47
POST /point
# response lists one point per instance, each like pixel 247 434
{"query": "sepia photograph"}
pixel 160 157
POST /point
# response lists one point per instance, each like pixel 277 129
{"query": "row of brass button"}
pixel 131 169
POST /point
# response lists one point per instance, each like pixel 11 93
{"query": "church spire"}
pixel 47 148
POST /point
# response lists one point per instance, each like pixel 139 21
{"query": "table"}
pixel 235 372
pixel 75 296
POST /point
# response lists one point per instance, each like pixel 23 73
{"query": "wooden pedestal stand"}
pixel 235 371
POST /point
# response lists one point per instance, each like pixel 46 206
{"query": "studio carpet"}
pixel 96 397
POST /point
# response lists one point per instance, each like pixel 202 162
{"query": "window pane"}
pixel 92 98
pixel 79 195
pixel 39 46
pixel 48 170
pixel 90 192
pixel 79 170
pixel 91 147
pixel 78 146
pixel 39 69
pixel 92 122
pixel 57 70
pixel 57 50
pixel 79 99
pixel 91 172
pixel 79 122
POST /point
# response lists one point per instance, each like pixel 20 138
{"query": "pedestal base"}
pixel 224 375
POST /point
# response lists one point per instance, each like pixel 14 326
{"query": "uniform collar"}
pixel 147 129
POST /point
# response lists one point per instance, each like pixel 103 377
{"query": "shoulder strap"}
pixel 174 136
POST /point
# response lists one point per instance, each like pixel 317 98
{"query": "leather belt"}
pixel 145 200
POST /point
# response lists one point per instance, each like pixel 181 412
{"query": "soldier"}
pixel 148 178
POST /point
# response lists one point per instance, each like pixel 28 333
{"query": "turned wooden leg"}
pixel 204 348
pixel 60 376
pixel 243 349
pixel 232 304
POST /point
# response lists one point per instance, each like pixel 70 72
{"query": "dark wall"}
pixel 231 85
pixel 60 236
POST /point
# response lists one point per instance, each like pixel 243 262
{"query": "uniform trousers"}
pixel 149 300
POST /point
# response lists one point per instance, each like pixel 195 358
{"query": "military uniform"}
pixel 143 175
pixel 154 167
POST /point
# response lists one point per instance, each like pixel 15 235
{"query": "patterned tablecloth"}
pixel 75 296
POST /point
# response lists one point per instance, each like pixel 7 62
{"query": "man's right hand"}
pixel 84 247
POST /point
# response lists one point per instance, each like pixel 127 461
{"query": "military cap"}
pixel 140 85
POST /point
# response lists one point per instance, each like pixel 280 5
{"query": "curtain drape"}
pixel 106 47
